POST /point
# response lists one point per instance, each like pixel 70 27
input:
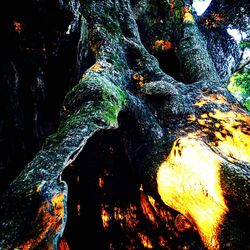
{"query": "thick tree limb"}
pixel 38 190
pixel 193 52
pixel 195 133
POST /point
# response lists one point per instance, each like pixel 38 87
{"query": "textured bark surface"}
pixel 149 149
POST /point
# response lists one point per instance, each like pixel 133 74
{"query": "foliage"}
pixel 240 87
pixel 239 82
pixel 244 44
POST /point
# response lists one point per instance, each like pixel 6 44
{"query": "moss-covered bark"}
pixel 39 185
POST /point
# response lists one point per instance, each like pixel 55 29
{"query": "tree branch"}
pixel 242 66
pixel 39 186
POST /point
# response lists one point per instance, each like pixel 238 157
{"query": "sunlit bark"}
pixel 187 143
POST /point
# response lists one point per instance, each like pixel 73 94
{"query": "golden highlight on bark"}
pixel 189 182
pixel 234 135
pixel 96 67
pixel 188 18
pixel 105 218
pixel 230 130
pixel 145 241
pixel 48 221
pixel 63 245
pixel 147 209
pixel 17 26
pixel 212 98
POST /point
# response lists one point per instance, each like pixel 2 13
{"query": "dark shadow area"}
pixel 100 177
pixel 40 64
pixel 170 64
pixel 107 207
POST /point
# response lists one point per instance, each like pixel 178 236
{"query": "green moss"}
pixel 113 27
pixel 100 113
pixel 115 60
pixel 113 99
pixel 111 109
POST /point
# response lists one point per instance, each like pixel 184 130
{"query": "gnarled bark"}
pixel 186 145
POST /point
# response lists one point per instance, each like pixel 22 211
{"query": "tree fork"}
pixel 192 136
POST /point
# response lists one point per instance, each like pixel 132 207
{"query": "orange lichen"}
pixel 167 45
pixel 191 118
pixel 162 45
pixel 135 77
pixel 201 102
pixel 204 115
pixel 185 9
pixel 145 240
pixel 189 182
pixel 218 98
pixel 187 16
pixel 48 221
pixel 212 98
pixel 215 20
pixel 139 80
pixel 96 67
pixel 17 26
pixel 172 4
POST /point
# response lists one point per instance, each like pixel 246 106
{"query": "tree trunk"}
pixel 150 149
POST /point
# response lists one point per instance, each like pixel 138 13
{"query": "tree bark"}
pixel 162 151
